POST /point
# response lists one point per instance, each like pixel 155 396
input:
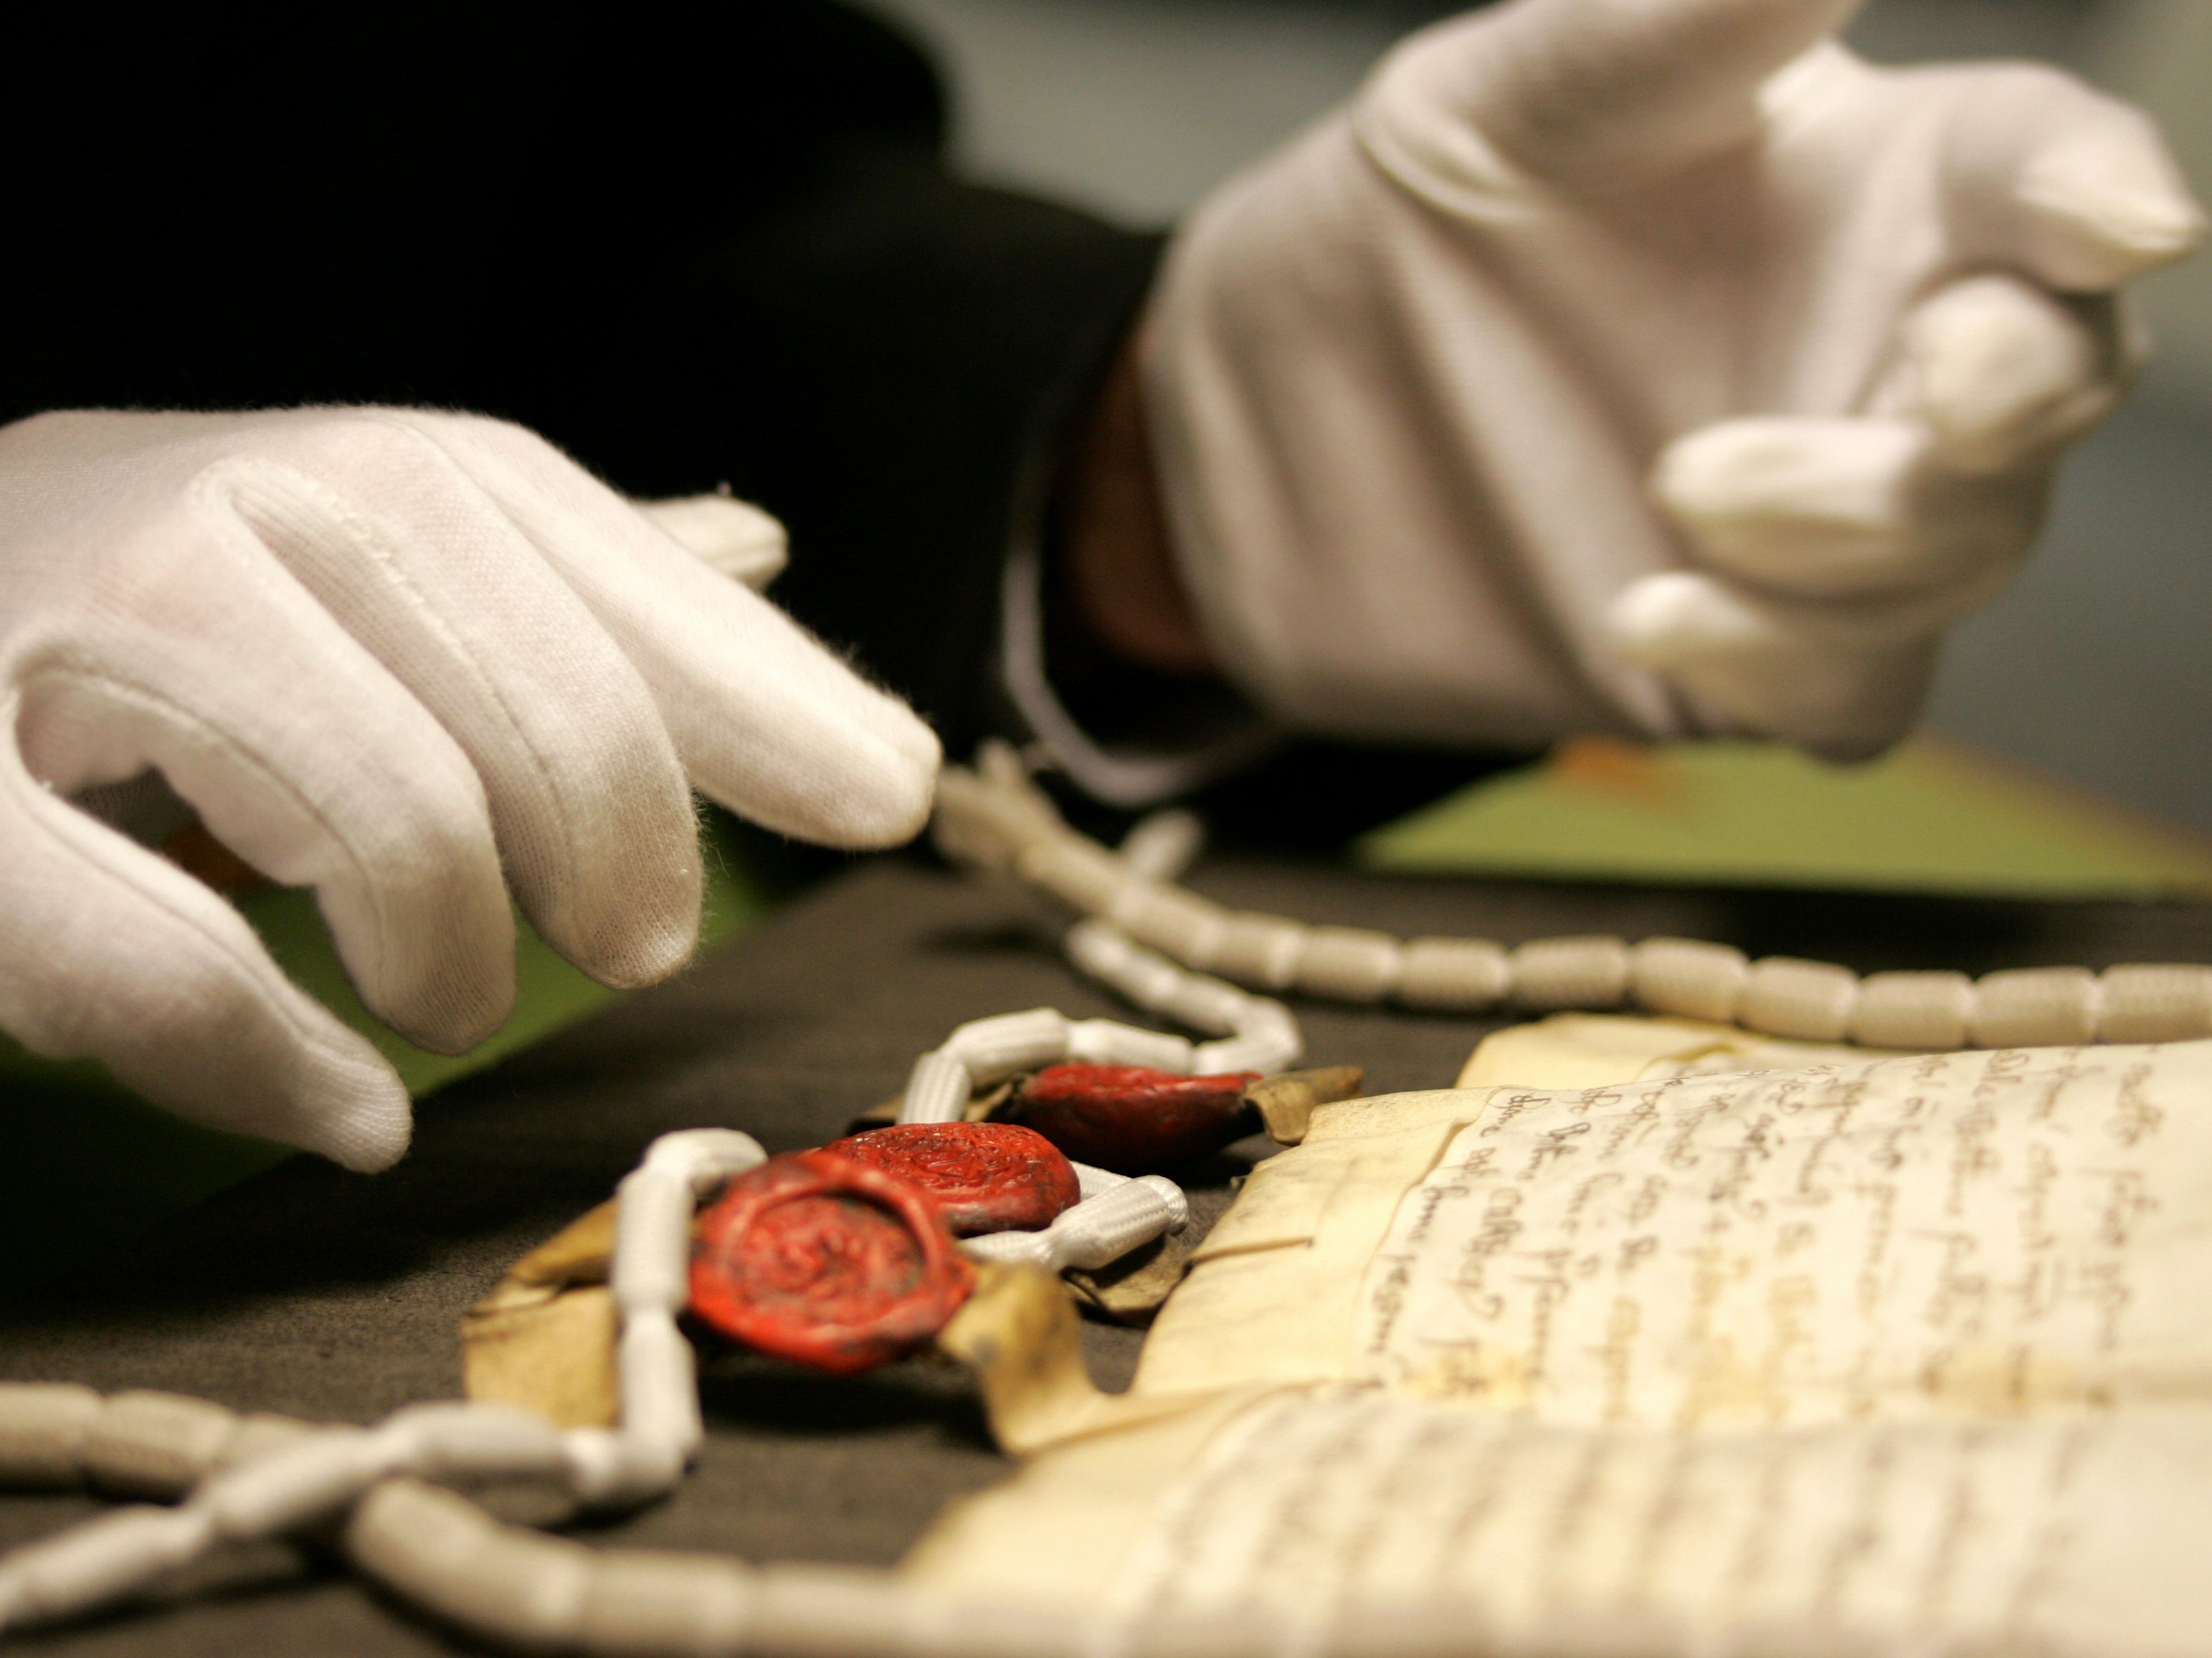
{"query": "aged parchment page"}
pixel 2041 1536
pixel 1918 1351
pixel 1271 1299
pixel 1979 1231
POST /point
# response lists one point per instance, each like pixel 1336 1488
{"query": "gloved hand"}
pixel 393 655
pixel 1651 365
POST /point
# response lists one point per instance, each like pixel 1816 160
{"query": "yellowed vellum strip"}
pixel 1272 1293
pixel 556 1357
pixel 544 1337
pixel 2014 1231
pixel 1063 1529
pixel 1020 1333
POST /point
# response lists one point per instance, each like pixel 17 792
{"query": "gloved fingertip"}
pixel 739 539
pixel 1802 505
pixel 459 1002
pixel 885 799
pixel 628 915
pixel 2000 368
pixel 1590 93
pixel 2106 205
pixel 1767 463
pixel 646 951
pixel 355 1111
pixel 1676 618
pixel 369 1142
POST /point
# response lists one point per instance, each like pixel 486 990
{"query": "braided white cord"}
pixel 244 1478
pixel 985 1051
pixel 995 818
pixel 1258 1032
pixel 1097 1232
pixel 546 1594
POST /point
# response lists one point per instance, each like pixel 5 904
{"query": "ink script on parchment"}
pixel 1987 1233
pixel 1909 1355
pixel 1316 1510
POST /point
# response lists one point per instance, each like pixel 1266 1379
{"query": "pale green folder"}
pixel 84 1162
pixel 1927 818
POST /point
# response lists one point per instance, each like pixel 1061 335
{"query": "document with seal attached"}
pixel 1852 1354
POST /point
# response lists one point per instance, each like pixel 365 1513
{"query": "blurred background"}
pixel 2095 668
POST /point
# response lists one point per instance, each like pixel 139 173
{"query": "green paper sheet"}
pixel 1927 818
pixel 88 1162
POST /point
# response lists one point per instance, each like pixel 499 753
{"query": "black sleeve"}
pixel 891 361
pixel 694 245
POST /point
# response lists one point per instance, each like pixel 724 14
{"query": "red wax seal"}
pixel 822 1259
pixel 986 1176
pixel 1131 1119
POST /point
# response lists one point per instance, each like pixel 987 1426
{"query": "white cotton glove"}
pixel 396 656
pixel 1644 365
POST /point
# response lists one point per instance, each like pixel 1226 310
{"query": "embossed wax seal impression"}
pixel 1131 1119
pixel 986 1176
pixel 827 1261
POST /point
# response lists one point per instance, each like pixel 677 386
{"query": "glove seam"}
pixel 211 739
pixel 35 800
pixel 365 535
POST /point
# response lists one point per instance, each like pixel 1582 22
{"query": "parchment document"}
pixel 1986 1232
pixel 1912 1354
pixel 2078 1536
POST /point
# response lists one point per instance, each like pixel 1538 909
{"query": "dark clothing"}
pixel 692 245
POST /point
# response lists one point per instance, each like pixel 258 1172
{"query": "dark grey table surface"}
pixel 335 1296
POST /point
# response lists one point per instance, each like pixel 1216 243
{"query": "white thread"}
pixel 1095 1231
pixel 1689 978
pixel 155 1444
pixel 1258 950
pixel 1091 1182
pixel 1810 1001
pixel 1453 975
pixel 2151 1003
pixel 1103 1041
pixel 454 1438
pixel 1007 1044
pixel 2036 1007
pixel 1931 1010
pixel 937 1089
pixel 1552 973
pixel 1168 919
pixel 42 1432
pixel 1351 964
pixel 319 1475
pixel 1077 873
pixel 646 1275
pixel 1678 976
pixel 635 1602
pixel 93 1564
pixel 1212 1005
pixel 451 1556
pixel 1163 845
pixel 300 1475
pixel 1267 1037
pixel 1264 1053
